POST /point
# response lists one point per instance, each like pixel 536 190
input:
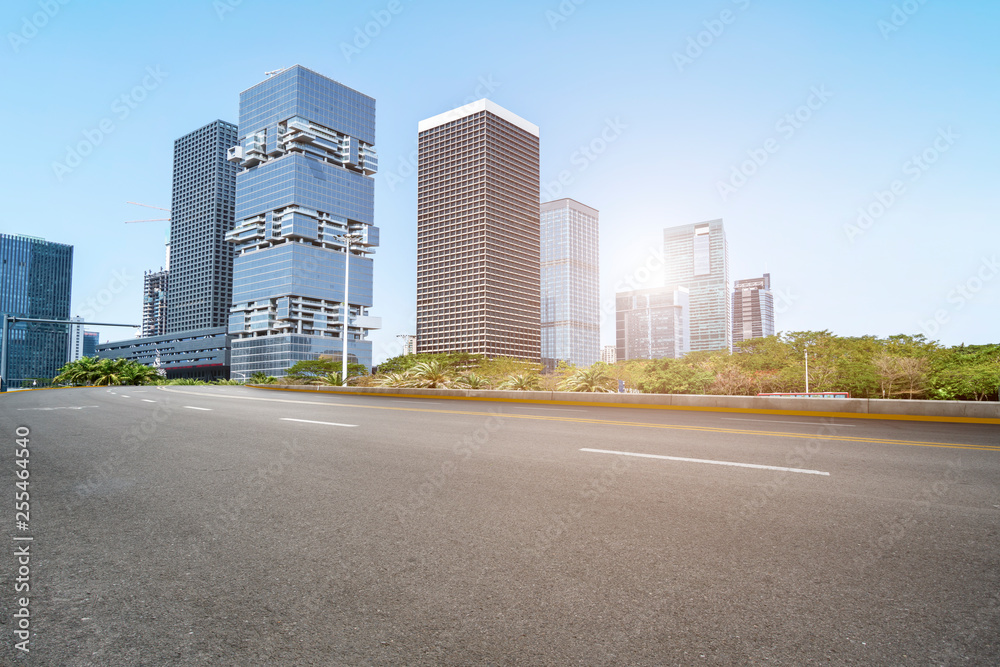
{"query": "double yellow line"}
pixel 610 422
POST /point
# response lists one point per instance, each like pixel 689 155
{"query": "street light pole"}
pixel 348 240
pixel 807 370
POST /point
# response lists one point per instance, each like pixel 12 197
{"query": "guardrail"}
pixel 871 408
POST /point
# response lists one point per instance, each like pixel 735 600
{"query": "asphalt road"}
pixel 234 526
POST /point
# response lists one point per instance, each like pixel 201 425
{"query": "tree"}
pixel 675 376
pixel 91 371
pixel 313 371
pixel 262 378
pixel 521 382
pixel 430 374
pixel 593 379
pixel 472 381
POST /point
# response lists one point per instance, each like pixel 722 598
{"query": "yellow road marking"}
pixel 645 406
pixel 609 422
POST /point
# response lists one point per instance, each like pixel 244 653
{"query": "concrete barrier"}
pixel 983 412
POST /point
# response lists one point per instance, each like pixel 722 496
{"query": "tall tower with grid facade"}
pixel 697 257
pixel 753 308
pixel 201 214
pixel 307 162
pixel 36 279
pixel 478 233
pixel 571 317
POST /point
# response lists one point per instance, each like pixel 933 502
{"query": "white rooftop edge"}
pixel 475 107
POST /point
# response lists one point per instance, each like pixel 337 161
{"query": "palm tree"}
pixel 472 381
pixel 78 373
pixel 262 378
pixel 135 373
pixel 395 380
pixel 330 379
pixel 520 382
pixel 430 374
pixel 587 379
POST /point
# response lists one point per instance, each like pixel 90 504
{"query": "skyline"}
pixel 848 159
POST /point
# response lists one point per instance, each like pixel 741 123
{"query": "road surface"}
pixel 239 526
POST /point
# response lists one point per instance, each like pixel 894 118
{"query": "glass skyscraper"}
pixel 652 323
pixel 753 308
pixel 571 318
pixel 307 158
pixel 697 257
pixel 36 278
pixel 478 233
pixel 201 213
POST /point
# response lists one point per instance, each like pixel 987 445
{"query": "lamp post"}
pixel 349 240
pixel 807 369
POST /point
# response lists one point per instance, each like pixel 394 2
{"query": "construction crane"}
pixel 149 219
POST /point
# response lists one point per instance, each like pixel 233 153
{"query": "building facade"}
pixel 307 160
pixel 36 279
pixel 201 214
pixel 697 257
pixel 478 254
pixel 609 354
pixel 200 354
pixel 753 308
pixel 570 276
pixel 90 342
pixel 74 350
pixel 154 302
pixel 652 323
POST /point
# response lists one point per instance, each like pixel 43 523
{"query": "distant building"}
pixel 478 233
pixel 409 344
pixel 154 302
pixel 36 279
pixel 75 348
pixel 90 342
pixel 652 323
pixel 697 257
pixel 307 161
pixel 753 308
pixel 609 354
pixel 202 354
pixel 201 213
pixel 571 317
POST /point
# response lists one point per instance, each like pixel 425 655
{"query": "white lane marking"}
pixel 309 421
pixel 717 463
pixel 65 407
pixel 147 400
pixel 125 396
pixel 776 421
pixel 191 407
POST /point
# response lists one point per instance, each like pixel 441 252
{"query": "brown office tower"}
pixel 478 261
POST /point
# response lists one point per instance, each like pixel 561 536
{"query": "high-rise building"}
pixel 409 344
pixel 609 354
pixel 201 213
pixel 753 308
pixel 571 316
pixel 478 233
pixel 75 348
pixel 307 157
pixel 652 323
pixel 36 279
pixel 697 257
pixel 154 302
pixel 90 341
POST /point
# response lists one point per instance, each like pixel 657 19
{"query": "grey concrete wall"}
pixel 946 409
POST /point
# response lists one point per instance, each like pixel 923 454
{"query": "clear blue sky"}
pixel 668 120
